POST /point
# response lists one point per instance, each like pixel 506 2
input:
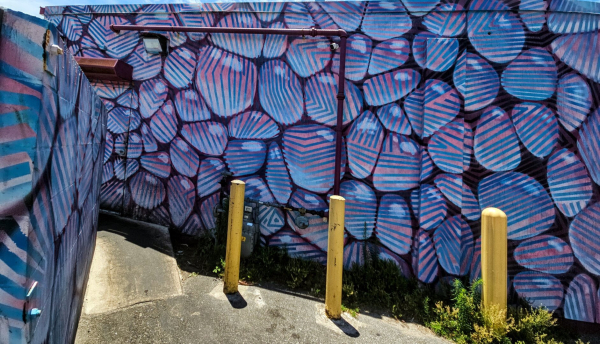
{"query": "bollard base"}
pixel 333 315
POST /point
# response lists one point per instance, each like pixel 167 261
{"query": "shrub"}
pixel 464 320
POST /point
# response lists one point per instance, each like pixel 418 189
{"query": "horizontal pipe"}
pixel 252 31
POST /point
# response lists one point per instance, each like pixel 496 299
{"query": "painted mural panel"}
pixel 451 107
pixel 52 133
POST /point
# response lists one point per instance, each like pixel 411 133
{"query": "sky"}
pixel 32 7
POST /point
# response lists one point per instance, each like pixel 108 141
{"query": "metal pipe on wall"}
pixel 288 32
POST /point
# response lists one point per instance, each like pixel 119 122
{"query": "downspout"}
pixel 287 32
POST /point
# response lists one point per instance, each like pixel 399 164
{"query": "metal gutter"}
pixel 287 32
pixel 105 68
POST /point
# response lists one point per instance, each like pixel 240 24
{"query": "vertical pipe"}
pixel 335 257
pixel 494 257
pixel 234 237
pixel 340 115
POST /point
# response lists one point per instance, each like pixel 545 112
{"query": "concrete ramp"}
pixel 133 263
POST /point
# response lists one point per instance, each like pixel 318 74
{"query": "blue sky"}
pixel 32 7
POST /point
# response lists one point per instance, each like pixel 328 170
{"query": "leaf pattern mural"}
pixel 450 107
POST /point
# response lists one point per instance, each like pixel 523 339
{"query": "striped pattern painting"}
pixel 531 76
pixel 532 13
pixel 573 101
pixel 448 20
pixel 164 123
pixel 157 163
pixel 398 167
pixel 385 20
pixel 321 103
pixel 147 191
pixel 190 106
pixel 183 158
pixel 585 238
pixel 278 89
pixel 575 49
pixel 424 259
pixel 153 94
pixel 179 67
pixel 476 80
pixel 213 140
pixel 277 175
pixel 308 56
pixel 209 176
pixel 495 32
pixel 389 87
pixel 182 196
pixel 523 199
pixel 568 181
pixel 589 145
pixel 453 241
pixel 252 125
pixel 545 253
pixel 229 95
pixel 496 145
pixel 357 57
pixel 394 226
pixel 393 119
pixel 247 45
pixel 364 142
pixel 530 118
pixel 361 207
pixel 309 152
pixel 245 157
pixel 581 299
pixel 388 55
pixel 540 289
pixel 446 147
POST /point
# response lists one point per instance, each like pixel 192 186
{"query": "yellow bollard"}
pixel 335 257
pixel 494 257
pixel 234 237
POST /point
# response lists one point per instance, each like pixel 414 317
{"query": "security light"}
pixel 156 44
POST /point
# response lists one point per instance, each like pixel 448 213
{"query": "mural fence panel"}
pixel 52 129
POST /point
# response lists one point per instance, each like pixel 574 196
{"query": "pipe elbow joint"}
pixel 343 33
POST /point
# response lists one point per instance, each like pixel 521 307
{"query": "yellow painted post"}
pixel 234 237
pixel 335 257
pixel 494 257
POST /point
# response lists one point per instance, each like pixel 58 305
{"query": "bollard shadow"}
pixel 236 300
pixel 346 327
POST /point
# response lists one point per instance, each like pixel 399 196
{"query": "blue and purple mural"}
pixel 52 129
pixel 451 107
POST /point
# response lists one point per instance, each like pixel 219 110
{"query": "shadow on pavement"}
pixel 346 327
pixel 236 300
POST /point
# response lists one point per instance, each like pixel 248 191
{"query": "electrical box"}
pixel 250 228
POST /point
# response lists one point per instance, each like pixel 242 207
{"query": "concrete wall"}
pixel 452 106
pixel 52 128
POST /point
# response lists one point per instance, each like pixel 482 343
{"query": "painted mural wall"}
pixel 52 129
pixel 452 106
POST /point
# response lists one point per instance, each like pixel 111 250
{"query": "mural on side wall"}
pixel 452 106
pixel 52 129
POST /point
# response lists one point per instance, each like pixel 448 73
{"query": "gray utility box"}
pixel 250 229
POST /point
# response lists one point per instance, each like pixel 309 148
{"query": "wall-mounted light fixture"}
pixel 155 44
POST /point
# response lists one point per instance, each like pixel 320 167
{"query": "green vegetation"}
pixel 452 311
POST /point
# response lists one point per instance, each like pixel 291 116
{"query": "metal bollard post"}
pixel 335 257
pixel 234 237
pixel 494 257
